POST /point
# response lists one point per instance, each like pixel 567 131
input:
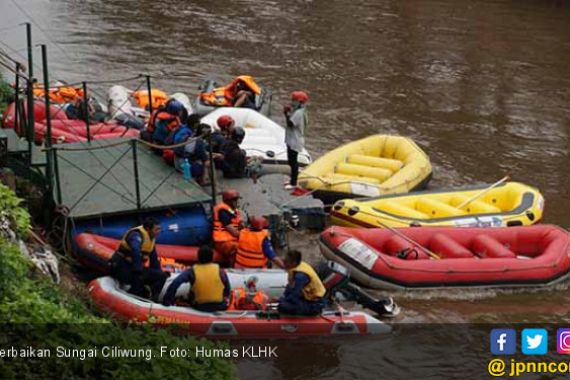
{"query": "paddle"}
pixel 409 240
pixel 482 192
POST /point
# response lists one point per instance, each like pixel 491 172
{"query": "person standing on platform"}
pixel 297 122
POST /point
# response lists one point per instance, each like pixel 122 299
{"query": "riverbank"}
pixel 42 320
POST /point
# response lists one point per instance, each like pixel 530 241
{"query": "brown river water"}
pixel 482 86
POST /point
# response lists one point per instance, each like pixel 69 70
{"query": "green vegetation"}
pixel 37 313
pixel 6 94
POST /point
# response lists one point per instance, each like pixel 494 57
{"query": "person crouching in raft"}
pixel 227 224
pixel 209 285
pixel 130 263
pixel 254 247
pixel 305 292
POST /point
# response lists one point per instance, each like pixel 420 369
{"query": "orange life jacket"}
pixel 250 249
pixel 157 96
pixel 173 122
pixel 224 96
pixel 220 234
pixel 241 299
pixel 60 95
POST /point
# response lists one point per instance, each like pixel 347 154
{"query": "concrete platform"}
pixel 268 198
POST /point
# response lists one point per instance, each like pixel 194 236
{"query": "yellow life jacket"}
pixel 250 249
pixel 314 288
pixel 219 233
pixel 147 245
pixel 208 286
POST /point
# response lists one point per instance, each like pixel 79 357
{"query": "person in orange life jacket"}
pixel 227 224
pixel 166 121
pixel 136 249
pixel 243 96
pixel 305 292
pixel 210 288
pixel 254 247
pixel 296 117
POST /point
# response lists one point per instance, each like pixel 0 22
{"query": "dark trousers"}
pixel 123 271
pixel 292 159
pixel 300 306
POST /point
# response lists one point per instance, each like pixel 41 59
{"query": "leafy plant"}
pixel 6 94
pixel 35 312
pixel 10 204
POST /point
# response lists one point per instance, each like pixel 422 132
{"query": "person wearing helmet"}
pixel 297 121
pixel 226 123
pixel 222 133
pixel 232 160
pixel 254 247
pixel 227 224
pixel 165 121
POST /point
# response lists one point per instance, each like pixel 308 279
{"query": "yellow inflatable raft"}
pixel 373 166
pixel 510 204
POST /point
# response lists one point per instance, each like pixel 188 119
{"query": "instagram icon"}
pixel 563 341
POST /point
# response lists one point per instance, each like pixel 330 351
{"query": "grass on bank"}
pixel 36 312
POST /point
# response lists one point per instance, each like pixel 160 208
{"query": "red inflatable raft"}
pixel 70 131
pixel 64 130
pixel 109 297
pixel 513 256
pixel 95 251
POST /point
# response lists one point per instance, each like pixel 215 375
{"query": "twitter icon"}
pixel 534 341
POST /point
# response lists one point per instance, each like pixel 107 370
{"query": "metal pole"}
pixel 136 172
pixel 212 173
pixel 57 178
pixel 86 111
pixel 149 89
pixel 17 121
pixel 31 121
pixel 47 140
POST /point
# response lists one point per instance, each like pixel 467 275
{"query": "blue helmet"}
pixel 174 107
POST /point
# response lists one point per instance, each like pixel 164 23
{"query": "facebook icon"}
pixel 503 341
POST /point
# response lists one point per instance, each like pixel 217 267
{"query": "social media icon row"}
pixel 533 341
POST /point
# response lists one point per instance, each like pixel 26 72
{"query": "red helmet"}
pixel 225 121
pixel 258 222
pixel 230 194
pixel 300 96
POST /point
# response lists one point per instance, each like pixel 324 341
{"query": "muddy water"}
pixel 482 86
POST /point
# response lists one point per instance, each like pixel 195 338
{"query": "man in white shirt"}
pixel 296 117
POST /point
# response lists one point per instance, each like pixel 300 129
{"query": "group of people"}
pixel 171 125
pixel 136 263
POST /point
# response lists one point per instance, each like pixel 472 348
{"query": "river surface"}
pixel 482 86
